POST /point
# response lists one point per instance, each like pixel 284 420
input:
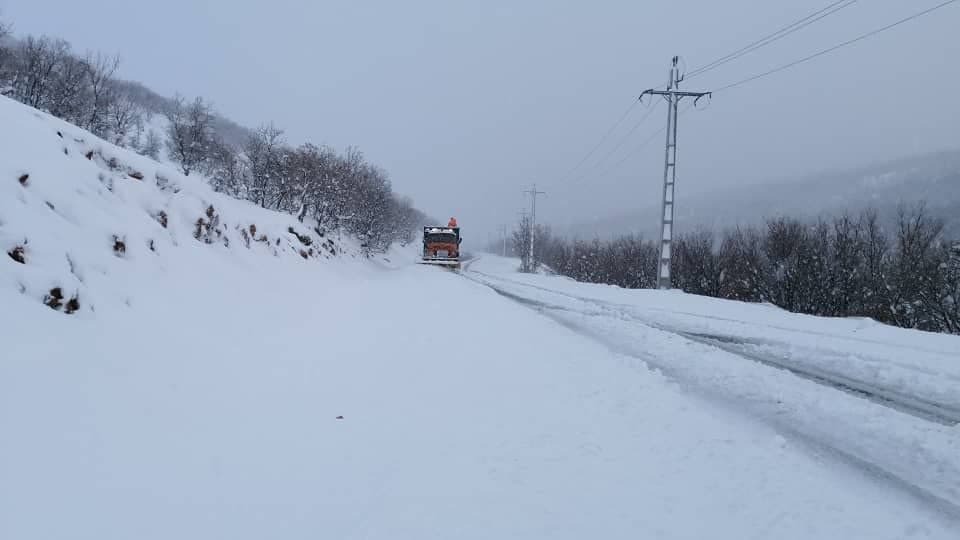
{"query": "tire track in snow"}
pixel 908 348
pixel 914 405
pixel 928 474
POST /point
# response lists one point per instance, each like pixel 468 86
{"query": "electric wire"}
pixel 828 50
pixel 646 142
pixel 779 34
pixel 770 38
pixel 603 139
pixel 619 145
pixel 773 37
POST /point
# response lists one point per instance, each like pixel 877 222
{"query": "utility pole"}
pixel 673 96
pixel 533 222
pixel 503 236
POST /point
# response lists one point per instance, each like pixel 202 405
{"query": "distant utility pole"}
pixel 673 96
pixel 503 236
pixel 533 221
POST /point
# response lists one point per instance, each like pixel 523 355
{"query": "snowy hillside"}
pixel 83 221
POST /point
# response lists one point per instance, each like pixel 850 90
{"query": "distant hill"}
pixel 933 178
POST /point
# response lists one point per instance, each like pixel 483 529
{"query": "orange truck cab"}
pixel 441 245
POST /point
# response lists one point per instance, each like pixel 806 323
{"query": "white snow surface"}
pixel 900 361
pixel 213 391
pixel 79 195
pixel 902 369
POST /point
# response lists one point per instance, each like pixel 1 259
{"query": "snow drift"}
pixel 79 215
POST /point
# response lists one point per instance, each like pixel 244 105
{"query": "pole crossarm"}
pixel 677 93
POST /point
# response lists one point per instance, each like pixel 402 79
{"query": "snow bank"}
pixel 740 353
pixel 79 216
pixel 921 363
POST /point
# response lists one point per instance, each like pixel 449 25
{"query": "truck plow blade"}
pixel 450 263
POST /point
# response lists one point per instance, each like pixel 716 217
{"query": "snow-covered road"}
pixel 207 408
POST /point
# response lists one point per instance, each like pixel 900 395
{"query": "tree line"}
pixel 340 190
pixel 907 275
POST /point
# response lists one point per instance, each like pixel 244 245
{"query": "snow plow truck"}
pixel 441 245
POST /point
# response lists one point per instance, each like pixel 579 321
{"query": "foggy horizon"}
pixel 466 106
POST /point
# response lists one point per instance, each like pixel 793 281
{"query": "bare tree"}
pixel 329 203
pixel 264 150
pixel 67 94
pixel 38 60
pixel 913 277
pixel 371 201
pixel 190 134
pixel 100 72
pixel 151 145
pixel 698 269
pixel 6 58
pixel 949 301
pixel 407 220
pixel 520 239
pixel 123 117
pixel 226 170
pixel 305 170
pixel 744 274
pixel 874 292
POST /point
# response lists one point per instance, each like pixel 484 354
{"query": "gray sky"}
pixel 467 103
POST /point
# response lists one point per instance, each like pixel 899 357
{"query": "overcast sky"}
pixel 467 103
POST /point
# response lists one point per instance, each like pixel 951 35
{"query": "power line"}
pixel 602 140
pixel 619 145
pixel 646 142
pixel 861 37
pixel 773 37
